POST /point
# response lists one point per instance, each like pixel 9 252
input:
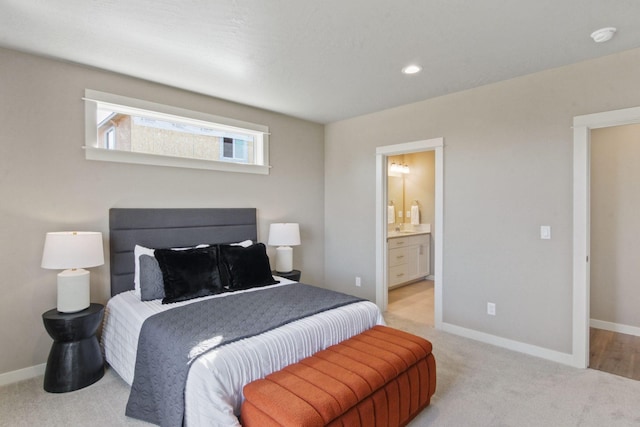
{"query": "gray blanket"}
pixel 167 339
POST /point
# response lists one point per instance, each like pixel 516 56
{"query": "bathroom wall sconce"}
pixel 397 168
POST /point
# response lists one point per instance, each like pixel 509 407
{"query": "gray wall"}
pixel 47 185
pixel 507 170
pixel 615 225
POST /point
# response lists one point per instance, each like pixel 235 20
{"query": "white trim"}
pixel 607 119
pixel 438 269
pixel 581 247
pixel 520 347
pixel 437 145
pixel 381 246
pixel 410 147
pixel 22 374
pixel 582 126
pixel 94 153
pixel 615 327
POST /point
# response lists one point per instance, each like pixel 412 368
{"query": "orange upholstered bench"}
pixel 381 377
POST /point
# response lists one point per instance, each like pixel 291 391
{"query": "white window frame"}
pixel 110 138
pixel 93 151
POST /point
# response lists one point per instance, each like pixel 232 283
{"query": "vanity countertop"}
pixel 394 234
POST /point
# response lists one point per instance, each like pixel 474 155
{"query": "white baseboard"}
pixel 532 350
pixel 22 374
pixel 615 327
pixel 431 277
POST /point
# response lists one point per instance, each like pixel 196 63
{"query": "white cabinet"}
pixel 408 258
pixel 424 256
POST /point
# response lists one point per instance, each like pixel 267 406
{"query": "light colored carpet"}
pixel 26 404
pixel 478 385
pixel 482 385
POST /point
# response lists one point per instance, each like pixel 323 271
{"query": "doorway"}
pixel 582 126
pixel 614 339
pixel 382 153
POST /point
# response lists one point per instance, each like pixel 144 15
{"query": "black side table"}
pixel 75 360
pixel 292 275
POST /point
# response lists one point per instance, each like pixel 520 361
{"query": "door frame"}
pixel 382 286
pixel 582 126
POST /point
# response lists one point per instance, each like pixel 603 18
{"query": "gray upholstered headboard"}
pixel 165 228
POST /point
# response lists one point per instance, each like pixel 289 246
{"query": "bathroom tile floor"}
pixel 413 302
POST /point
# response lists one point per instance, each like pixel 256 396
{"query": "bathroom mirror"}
pixel 395 188
pixel 396 196
pixel 411 182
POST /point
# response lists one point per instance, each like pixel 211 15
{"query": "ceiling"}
pixel 321 60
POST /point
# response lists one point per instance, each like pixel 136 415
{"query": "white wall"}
pixel 47 185
pixel 507 170
pixel 615 225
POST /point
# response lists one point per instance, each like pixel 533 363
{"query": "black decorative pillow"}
pixel 188 274
pixel 151 283
pixel 246 267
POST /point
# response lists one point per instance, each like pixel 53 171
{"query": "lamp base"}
pixel 73 290
pixel 284 259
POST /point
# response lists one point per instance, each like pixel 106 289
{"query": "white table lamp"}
pixel 284 236
pixel 72 251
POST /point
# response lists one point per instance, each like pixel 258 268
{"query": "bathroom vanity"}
pixel 408 256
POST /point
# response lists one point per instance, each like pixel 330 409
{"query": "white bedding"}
pixel 213 393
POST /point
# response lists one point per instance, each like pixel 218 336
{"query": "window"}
pixel 235 150
pixel 129 130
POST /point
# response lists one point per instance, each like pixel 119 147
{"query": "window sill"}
pixel 101 154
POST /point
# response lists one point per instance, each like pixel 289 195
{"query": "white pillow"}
pixel 138 251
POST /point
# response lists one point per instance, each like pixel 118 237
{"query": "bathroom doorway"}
pixel 383 154
pixel 410 216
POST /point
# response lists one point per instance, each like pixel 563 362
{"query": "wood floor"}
pixel 615 353
pixel 611 352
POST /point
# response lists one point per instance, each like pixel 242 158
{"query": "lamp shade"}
pixel 72 249
pixel 284 234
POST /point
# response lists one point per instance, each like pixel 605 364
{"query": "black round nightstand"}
pixel 292 275
pixel 75 360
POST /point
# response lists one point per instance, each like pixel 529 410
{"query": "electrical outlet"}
pixel 491 308
pixel 358 281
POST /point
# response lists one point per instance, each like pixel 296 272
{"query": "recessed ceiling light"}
pixel 412 69
pixel 603 34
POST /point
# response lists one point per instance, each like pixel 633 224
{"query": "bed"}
pixel 213 389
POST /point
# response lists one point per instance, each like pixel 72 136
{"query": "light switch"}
pixel 408 214
pixel 399 214
pixel 545 232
